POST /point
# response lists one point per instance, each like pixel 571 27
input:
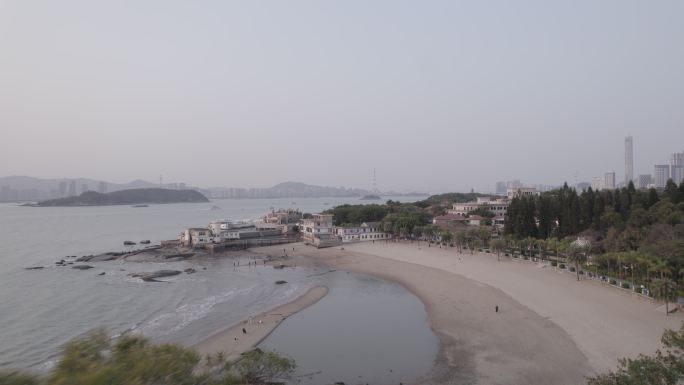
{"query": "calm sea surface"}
pixel 40 310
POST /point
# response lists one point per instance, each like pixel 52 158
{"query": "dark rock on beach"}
pixel 97 258
pixel 34 268
pixel 81 267
pixel 190 270
pixel 280 282
pixel 151 277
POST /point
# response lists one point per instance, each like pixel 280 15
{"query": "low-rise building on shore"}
pixel 367 231
pixel 318 231
pixel 283 220
pixel 223 231
pixel 495 205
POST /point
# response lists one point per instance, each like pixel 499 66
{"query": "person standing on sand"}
pixel 496 308
pixel 244 331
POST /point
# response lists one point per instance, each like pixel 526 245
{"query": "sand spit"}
pixel 233 341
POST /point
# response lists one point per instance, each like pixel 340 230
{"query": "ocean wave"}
pixel 171 322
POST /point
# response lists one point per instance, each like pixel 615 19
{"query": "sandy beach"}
pixel 249 333
pixel 549 329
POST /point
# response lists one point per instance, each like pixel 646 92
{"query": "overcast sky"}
pixel 436 95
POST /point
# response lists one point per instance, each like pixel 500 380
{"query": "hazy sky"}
pixel 436 95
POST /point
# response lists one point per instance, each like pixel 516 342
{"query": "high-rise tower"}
pixel 629 160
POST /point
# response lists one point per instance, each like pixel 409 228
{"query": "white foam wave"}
pixel 171 322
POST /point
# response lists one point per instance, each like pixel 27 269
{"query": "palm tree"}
pixel 498 245
pixel 428 232
pixel 660 266
pixel 484 234
pixel 578 252
pixel 511 243
pixel 446 237
pixel 531 242
pixel 471 235
pixel 564 245
pixel 541 245
pixel 553 244
pixel 665 289
pixel 461 239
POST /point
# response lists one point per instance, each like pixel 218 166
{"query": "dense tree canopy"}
pixel 632 230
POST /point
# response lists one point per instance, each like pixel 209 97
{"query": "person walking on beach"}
pixel 244 331
pixel 496 308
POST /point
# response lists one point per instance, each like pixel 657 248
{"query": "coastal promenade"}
pixel 549 327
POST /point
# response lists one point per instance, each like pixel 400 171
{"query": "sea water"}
pixel 40 310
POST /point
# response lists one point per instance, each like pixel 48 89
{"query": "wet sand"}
pixel 549 329
pixel 233 341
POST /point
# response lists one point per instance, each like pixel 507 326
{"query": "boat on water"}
pixel 215 208
pixel 145 242
pixel 129 243
pixel 140 206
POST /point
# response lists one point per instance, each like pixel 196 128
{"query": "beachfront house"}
pixel 496 206
pixel 450 221
pixel 476 220
pixel 367 231
pixel 318 231
pixel 195 237
pixel 223 230
pixel 283 220
pixel 521 192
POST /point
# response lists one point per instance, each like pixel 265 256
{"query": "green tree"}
pixel 664 289
pixel 552 244
pixel 446 236
pixel 498 245
pixel 428 232
pixel 578 253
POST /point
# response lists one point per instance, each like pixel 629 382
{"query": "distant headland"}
pixel 126 197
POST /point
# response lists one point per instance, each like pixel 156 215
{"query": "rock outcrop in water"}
pixel 127 197
pixel 152 277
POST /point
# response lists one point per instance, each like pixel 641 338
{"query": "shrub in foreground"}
pixel 663 367
pixel 95 360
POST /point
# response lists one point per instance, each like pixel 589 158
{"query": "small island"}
pixel 370 197
pixel 126 197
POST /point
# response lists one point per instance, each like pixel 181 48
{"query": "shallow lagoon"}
pixel 364 331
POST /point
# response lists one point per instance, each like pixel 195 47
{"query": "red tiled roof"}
pixel 450 217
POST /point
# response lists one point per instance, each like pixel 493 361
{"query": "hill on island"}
pixel 127 197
